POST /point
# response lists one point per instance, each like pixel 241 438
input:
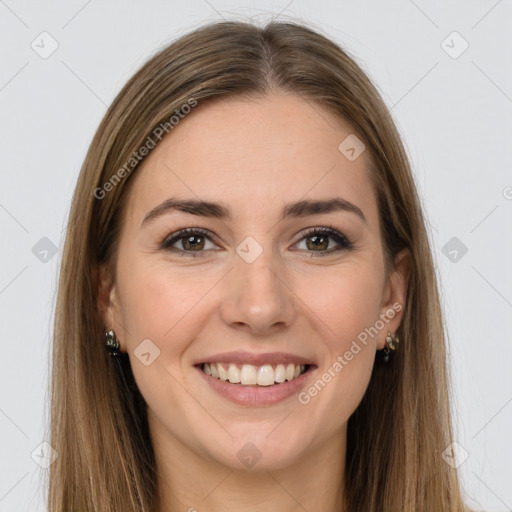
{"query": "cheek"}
pixel 175 306
pixel 157 304
pixel 346 314
pixel 346 302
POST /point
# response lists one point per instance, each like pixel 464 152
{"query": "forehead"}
pixel 255 155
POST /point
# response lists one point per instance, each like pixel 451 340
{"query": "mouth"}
pixel 255 380
pixel 254 375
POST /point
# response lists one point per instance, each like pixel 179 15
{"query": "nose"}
pixel 258 298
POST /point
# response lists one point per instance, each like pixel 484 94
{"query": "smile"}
pixel 252 375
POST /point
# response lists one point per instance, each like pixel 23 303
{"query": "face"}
pixel 263 287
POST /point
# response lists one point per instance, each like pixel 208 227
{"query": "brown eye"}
pixel 188 241
pixel 318 240
pixel 193 242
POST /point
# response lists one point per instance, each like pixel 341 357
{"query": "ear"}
pixel 107 299
pixel 395 294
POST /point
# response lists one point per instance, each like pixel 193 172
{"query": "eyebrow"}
pixel 222 211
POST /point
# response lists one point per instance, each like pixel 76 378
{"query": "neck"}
pixel 193 482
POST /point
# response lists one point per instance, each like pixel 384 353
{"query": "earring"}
pixel 112 343
pixel 390 346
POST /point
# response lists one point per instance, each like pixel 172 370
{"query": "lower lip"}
pixel 254 396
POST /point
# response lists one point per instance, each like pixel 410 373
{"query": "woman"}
pixel 248 315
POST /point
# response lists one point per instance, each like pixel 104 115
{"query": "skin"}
pixel 255 156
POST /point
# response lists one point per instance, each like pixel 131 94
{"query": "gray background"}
pixel 453 110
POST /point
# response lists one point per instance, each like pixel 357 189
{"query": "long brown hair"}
pixel 98 417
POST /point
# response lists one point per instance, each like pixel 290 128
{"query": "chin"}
pixel 263 450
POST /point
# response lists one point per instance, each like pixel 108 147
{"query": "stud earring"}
pixel 112 343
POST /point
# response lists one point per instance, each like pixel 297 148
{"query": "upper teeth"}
pixel 248 374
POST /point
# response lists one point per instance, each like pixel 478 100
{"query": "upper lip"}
pixel 256 359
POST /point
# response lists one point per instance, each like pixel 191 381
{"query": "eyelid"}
pixel 344 243
pixel 341 239
pixel 169 240
pixel 327 230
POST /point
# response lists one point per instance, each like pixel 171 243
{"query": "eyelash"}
pixel 338 237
